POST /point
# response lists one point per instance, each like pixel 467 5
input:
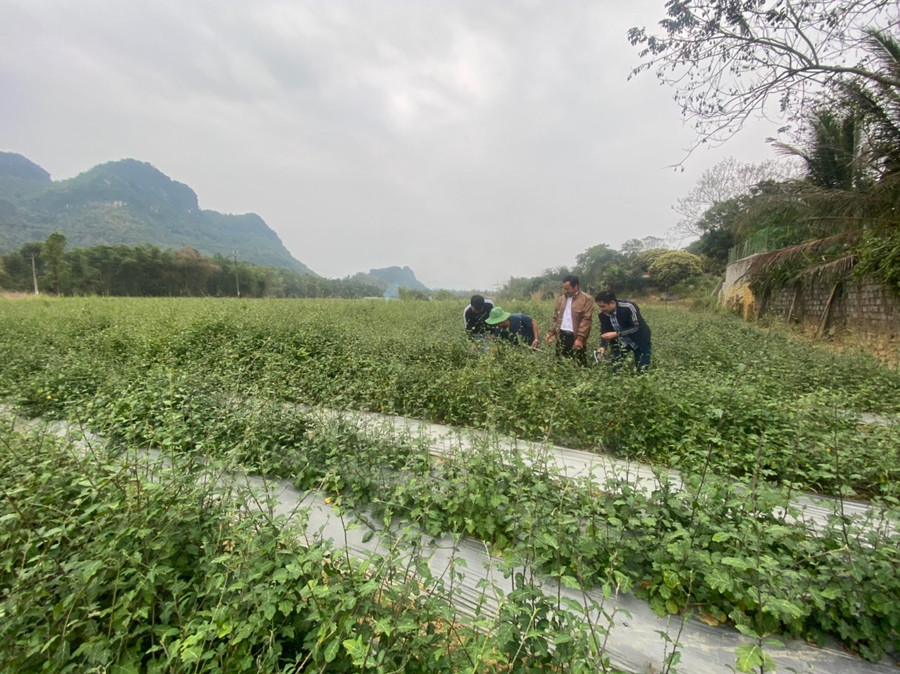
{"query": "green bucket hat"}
pixel 497 315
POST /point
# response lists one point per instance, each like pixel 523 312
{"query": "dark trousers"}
pixel 641 357
pixel 565 346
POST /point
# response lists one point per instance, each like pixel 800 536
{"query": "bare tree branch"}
pixel 728 60
pixel 726 180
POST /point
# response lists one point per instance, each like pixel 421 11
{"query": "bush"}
pixel 674 267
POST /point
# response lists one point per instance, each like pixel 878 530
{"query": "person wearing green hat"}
pixel 515 328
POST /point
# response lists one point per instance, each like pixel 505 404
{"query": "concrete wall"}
pixel 735 291
pixel 865 307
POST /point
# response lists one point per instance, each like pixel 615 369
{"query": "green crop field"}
pixel 748 416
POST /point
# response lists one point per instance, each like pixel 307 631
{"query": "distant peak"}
pixel 403 277
pixel 145 178
pixel 17 166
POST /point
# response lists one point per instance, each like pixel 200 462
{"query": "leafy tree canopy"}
pixel 592 265
pixel 643 261
pixel 673 267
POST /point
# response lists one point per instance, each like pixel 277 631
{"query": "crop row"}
pixel 722 395
pixel 118 564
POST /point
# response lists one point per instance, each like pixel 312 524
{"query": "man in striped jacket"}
pixel 622 328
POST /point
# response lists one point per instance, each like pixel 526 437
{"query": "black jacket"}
pixel 631 324
pixel 474 323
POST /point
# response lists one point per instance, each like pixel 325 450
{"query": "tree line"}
pixel 149 271
pixel 639 267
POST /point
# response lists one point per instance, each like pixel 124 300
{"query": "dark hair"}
pixel 605 296
pixel 477 302
pixel 571 279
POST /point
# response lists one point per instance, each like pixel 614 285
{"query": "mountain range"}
pixel 129 202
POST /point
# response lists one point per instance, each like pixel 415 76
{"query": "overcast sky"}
pixel 469 140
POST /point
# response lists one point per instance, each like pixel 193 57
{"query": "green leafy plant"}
pixel 746 415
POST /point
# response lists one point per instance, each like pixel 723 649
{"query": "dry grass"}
pixel 8 295
pixel 884 348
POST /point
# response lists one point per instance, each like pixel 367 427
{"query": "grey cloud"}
pixel 368 133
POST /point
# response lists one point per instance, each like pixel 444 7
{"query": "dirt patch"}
pixel 9 295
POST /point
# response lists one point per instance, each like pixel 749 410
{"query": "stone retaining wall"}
pixel 862 306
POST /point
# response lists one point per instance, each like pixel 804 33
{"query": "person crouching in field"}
pixel 474 316
pixel 622 328
pixel 515 328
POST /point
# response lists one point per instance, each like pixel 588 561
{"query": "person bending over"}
pixel 474 315
pixel 515 328
pixel 622 328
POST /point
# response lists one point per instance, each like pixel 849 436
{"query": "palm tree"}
pixel 880 104
pixel 834 157
pixel 849 201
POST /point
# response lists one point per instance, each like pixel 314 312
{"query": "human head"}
pixel 606 301
pixel 570 285
pixel 498 317
pixel 477 304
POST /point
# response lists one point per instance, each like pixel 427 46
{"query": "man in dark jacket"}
pixel 474 316
pixel 622 328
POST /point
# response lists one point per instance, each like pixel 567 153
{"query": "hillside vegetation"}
pixel 129 203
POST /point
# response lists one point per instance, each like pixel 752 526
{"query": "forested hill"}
pixel 130 203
